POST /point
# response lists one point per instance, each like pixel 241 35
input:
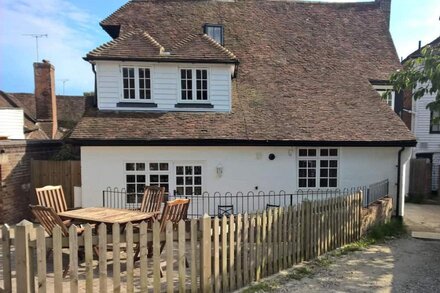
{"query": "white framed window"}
pixel 189 179
pixel 136 84
pixel 318 167
pixel 140 174
pixel 389 99
pixel 194 85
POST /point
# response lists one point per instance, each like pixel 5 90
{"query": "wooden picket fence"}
pixel 200 255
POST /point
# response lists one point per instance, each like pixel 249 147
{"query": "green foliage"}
pixel 394 228
pixel 260 287
pixel 300 273
pixel 66 153
pixel 421 75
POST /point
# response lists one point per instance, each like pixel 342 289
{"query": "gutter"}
pixel 398 203
pixel 236 142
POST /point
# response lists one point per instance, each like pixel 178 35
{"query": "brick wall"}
pixel 377 213
pixel 15 181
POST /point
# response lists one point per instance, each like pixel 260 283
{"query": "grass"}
pixel 299 273
pixel 260 287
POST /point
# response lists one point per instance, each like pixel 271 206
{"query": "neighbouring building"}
pixel 228 96
pixel 420 120
pixel 31 128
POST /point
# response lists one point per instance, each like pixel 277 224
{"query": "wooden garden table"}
pixel 107 215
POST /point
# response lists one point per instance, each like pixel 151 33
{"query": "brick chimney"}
pixel 385 6
pixel 45 99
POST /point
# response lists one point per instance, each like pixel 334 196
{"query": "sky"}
pixel 73 30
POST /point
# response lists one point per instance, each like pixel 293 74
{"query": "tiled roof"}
pixel 303 75
pixel 139 45
pixel 70 109
pixel 417 53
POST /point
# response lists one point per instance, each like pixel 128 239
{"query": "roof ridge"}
pixel 207 38
pixel 125 36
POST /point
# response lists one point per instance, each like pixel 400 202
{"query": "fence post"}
pixel 23 257
pixel 205 254
pixel 361 195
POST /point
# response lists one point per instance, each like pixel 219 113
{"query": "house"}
pixel 422 125
pixel 31 128
pixel 238 96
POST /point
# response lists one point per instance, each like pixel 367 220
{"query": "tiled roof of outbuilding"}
pixel 303 75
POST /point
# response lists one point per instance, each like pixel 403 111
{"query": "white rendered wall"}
pixel 165 80
pixel 11 123
pixel 244 168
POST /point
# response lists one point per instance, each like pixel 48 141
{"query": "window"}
pixel 318 168
pixel 189 179
pixel 136 84
pixel 215 31
pixel 389 99
pixel 137 175
pixel 199 83
pixel 135 179
pixel 435 122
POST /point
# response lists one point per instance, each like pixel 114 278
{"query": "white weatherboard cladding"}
pixel 244 168
pixel 11 123
pixel 165 79
pixel 426 142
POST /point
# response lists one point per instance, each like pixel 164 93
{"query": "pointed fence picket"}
pixel 200 255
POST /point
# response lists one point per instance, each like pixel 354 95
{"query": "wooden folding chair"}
pixel 174 211
pixel 152 199
pixel 49 220
pixel 53 197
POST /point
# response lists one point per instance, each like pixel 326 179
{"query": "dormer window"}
pixel 194 85
pixel 136 84
pixel 389 99
pixel 215 31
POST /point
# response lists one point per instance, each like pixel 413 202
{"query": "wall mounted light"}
pixel 271 157
pixel 219 170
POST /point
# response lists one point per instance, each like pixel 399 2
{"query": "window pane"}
pixel 197 180
pixel 131 188
pixel 312 152
pixel 323 173
pixel 188 180
pixel 131 178
pixel 333 163
pixel 302 183
pixel 140 166
pixel 197 190
pixel 197 170
pixel 163 178
pixel 154 166
pixel 188 170
pixel 333 183
pixel 333 152
pixel 323 163
pixel 311 173
pixel 154 178
pixel 323 183
pixel 179 170
pixel 129 166
pixel 188 190
pixel 303 153
pixel 163 166
pixel 179 191
pixel 324 152
pixel 140 178
pixel 302 173
pixel 140 188
pixel 333 172
pixel 302 163
pixel 311 183
pixel 179 180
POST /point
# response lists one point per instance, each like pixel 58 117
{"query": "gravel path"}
pixel 401 265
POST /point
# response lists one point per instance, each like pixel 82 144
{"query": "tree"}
pixel 421 75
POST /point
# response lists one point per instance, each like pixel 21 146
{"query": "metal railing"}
pixel 218 204
pixel 376 191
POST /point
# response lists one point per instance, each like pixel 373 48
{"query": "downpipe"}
pixel 398 203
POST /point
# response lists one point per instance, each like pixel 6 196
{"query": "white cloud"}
pixel 71 32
